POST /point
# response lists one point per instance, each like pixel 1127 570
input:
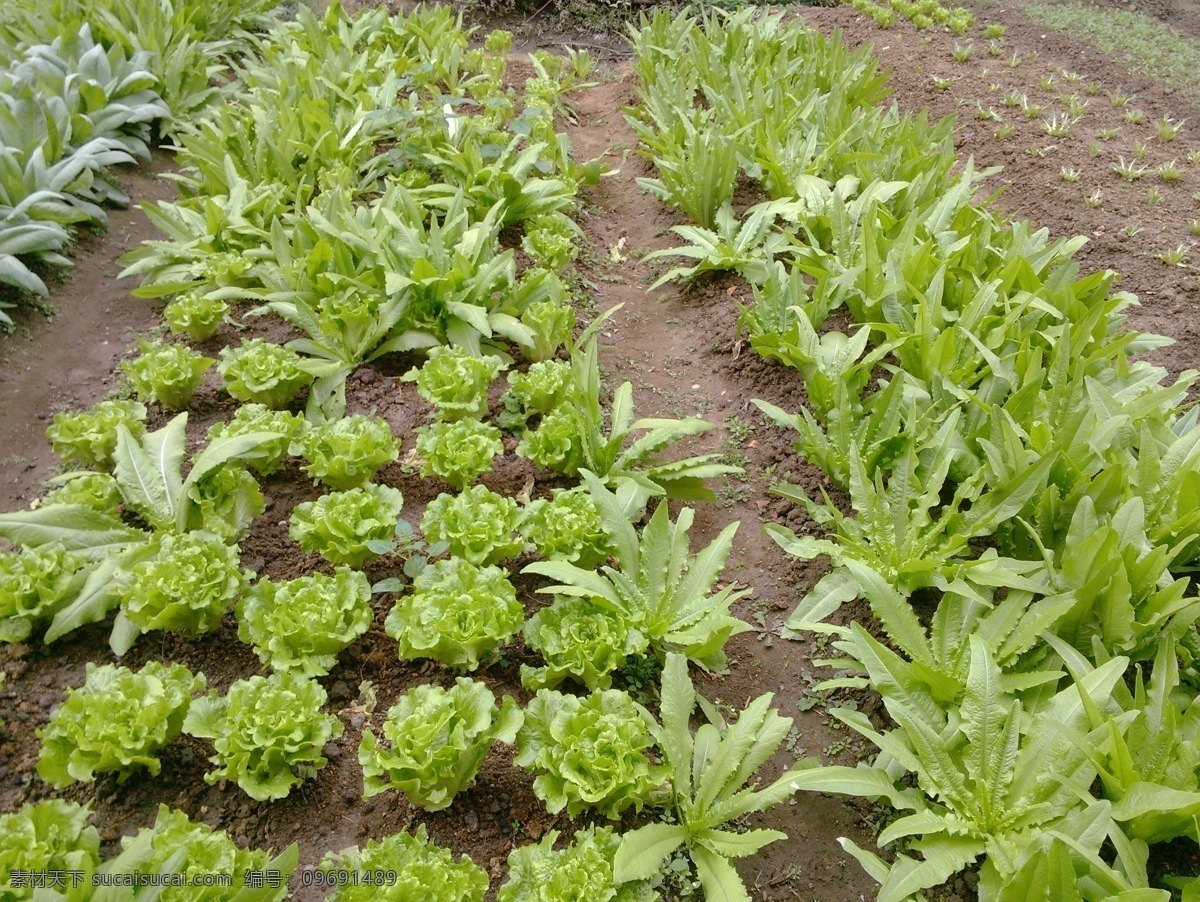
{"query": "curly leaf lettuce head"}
pixel 227 501
pixel 302 624
pixel 98 491
pixel 552 241
pixel 580 640
pixel 424 871
pixel 567 528
pixel 581 872
pixel 436 740
pixel 166 373
pixel 185 588
pixel 116 722
pixel 178 845
pixel 557 443
pixel 589 753
pixel 195 316
pixel 477 525
pixel 348 527
pixel 537 391
pixel 457 613
pixel 267 457
pixel 34 585
pixel 456 381
pixel 52 835
pixel 88 438
pixel 347 453
pixel 262 372
pixel 268 733
pixel 459 451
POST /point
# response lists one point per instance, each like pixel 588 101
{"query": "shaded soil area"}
pixel 679 350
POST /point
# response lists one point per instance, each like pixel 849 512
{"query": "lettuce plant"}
pixel 117 722
pixel 34 585
pixel 268 732
pixel 195 316
pixel 177 845
pixel 457 613
pixel 537 391
pixel 455 381
pixel 251 418
pixel 458 451
pixel 589 752
pixel 99 491
pixel 423 871
pixel 185 588
pixel 51 835
pixel 438 738
pixel 89 437
pixel 567 527
pixel 552 241
pixel 302 624
pixel 262 372
pixel 477 525
pixel 550 323
pixel 166 373
pixel 348 527
pixel 579 639
pixel 557 443
pixel 583 870
pixel 227 501
pixel 347 453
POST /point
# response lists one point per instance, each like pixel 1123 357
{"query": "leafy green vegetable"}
pixel 268 732
pixel 176 845
pixel 438 738
pixel 262 372
pixel 551 323
pixel 581 871
pixel 252 418
pixel 117 722
pixel 457 613
pixel 552 241
pixel 347 453
pixel 168 374
pixel 567 527
pixel 423 871
pixel 589 753
pixel 195 316
pixel 348 527
pixel 537 391
pixel 578 639
pixel 709 773
pixel 185 588
pixel 302 624
pixel 89 437
pixel 98 491
pixel 455 381
pixel 51 835
pixel 459 451
pixel 477 525
pixel 227 501
pixel 34 586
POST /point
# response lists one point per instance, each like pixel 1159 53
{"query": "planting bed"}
pixel 681 350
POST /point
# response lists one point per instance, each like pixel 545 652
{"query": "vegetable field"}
pixel 754 456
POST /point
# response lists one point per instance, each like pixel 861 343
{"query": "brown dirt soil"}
pixel 679 350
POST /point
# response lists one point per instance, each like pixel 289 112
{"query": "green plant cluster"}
pixel 922 13
pixel 1016 470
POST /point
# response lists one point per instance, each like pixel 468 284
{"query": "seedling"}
pixel 1131 231
pixel 1058 126
pixel 988 115
pixel 1044 151
pixel 1075 106
pixel 1095 199
pixel 995 48
pixel 962 52
pixel 1092 89
pixel 1014 99
pixel 1068 174
pixel 1193 157
pixel 1194 226
pixel 1004 132
pixel 1128 171
pixel 1071 76
pixel 994 30
pixel 1134 117
pixel 1140 149
pixel 1167 128
pixel 1119 98
pixel 1047 82
pixel 1169 172
pixel 1094 149
pixel 942 84
pixel 1032 110
pixel 1108 134
pixel 1176 256
pixel 1153 196
pixel 1014 61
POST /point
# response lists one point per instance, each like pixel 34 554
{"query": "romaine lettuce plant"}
pixel 455 381
pixel 578 639
pixel 582 870
pixel 458 451
pixel 195 316
pixel 302 624
pixel 34 586
pixel 99 491
pixel 177 845
pixel 186 587
pixel 539 390
pixel 89 437
pixel 424 871
pixel 268 732
pixel 251 418
pixel 589 752
pixel 477 525
pixel 117 722
pixel 457 613
pixel 550 323
pixel 346 453
pixel 166 373
pixel 567 527
pixel 262 372
pixel 349 527
pixel 436 740
pixel 51 835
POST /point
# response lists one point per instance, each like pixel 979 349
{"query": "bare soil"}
pixel 679 350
